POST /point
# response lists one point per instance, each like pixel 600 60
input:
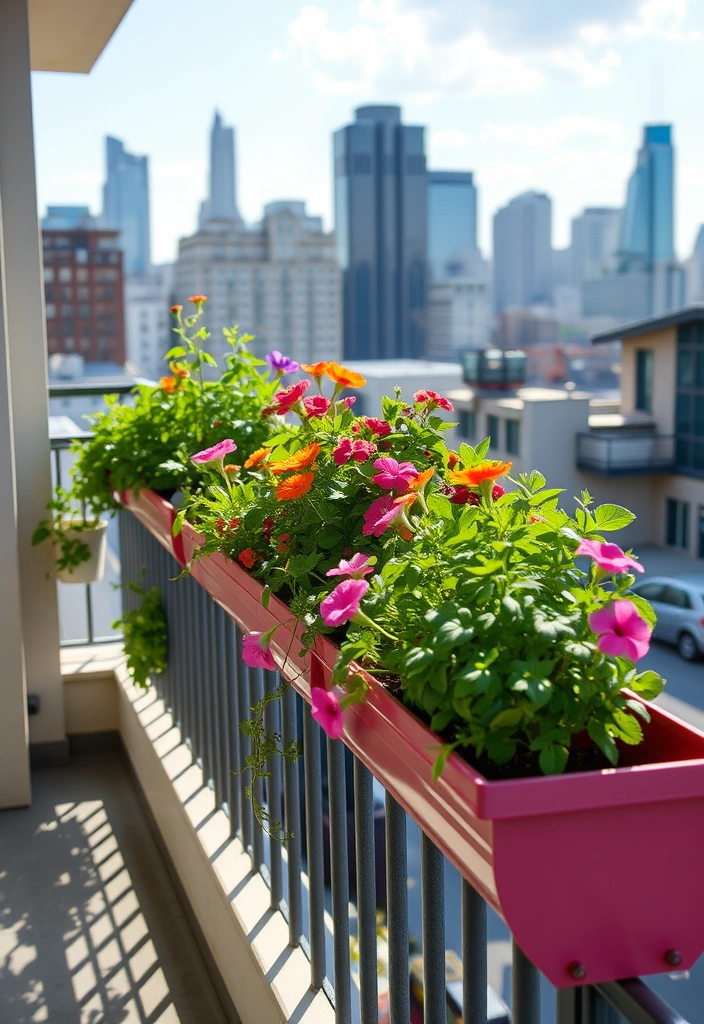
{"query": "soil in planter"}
pixel 525 765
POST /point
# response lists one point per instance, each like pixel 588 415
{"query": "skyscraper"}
pixel 594 241
pixel 381 222
pixel 452 223
pixel 221 203
pixel 126 204
pixel 647 227
pixel 523 251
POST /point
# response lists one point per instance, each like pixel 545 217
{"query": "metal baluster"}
pixel 223 723
pixel 314 846
pixel 256 692
pixel 163 578
pixel 206 655
pixel 525 989
pixel 366 892
pixel 433 900
pixel 275 796
pixel 233 729
pixel 215 675
pixel 339 880
pixel 192 678
pixel 397 912
pixel 245 775
pixel 474 966
pixel 293 821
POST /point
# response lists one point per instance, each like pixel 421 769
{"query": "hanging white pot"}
pixel 94 537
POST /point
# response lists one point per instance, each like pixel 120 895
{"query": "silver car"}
pixel 679 606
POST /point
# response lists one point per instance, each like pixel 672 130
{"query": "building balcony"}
pixel 622 452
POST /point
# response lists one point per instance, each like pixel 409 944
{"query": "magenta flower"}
pixel 316 405
pixel 380 427
pixel 215 454
pixel 433 400
pixel 349 402
pixel 608 557
pixel 285 399
pixel 256 653
pixel 621 630
pixel 357 567
pixel 326 711
pixel 343 453
pixel 362 450
pixel 380 515
pixel 393 475
pixel 282 364
pixel 343 603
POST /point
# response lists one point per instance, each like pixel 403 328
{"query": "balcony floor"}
pixel 91 930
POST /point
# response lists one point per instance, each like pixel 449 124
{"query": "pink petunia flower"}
pixel 608 557
pixel 380 427
pixel 349 401
pixel 394 475
pixel 343 453
pixel 215 454
pixel 380 515
pixel 326 711
pixel 621 630
pixel 362 450
pixel 256 653
pixel 357 567
pixel 285 399
pixel 342 604
pixel 316 405
pixel 434 400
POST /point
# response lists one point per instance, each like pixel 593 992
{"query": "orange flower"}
pixel 232 468
pixel 247 557
pixel 299 460
pixel 417 483
pixel 345 378
pixel 315 369
pixel 489 469
pixel 198 300
pixel 175 309
pixel 295 486
pixel 256 457
pixel 168 384
pixel 405 499
pixel 452 459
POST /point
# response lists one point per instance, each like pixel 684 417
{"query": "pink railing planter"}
pixel 597 874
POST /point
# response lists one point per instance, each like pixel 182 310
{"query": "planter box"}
pixel 597 869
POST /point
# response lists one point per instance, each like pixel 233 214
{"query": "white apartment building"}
pixel 278 280
pixel 459 316
pixel 148 334
pixel 645 451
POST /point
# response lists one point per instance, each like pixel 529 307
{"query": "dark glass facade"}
pixel 689 409
pixel 452 223
pixel 647 223
pixel 381 223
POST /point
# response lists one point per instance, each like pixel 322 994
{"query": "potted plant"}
pixel 80 540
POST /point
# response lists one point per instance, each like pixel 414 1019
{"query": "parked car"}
pixel 679 606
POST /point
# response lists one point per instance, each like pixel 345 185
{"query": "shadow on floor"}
pixel 91 931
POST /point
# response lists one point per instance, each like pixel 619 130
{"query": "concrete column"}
pixel 14 735
pixel 27 357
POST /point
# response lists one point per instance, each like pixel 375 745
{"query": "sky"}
pixel 528 94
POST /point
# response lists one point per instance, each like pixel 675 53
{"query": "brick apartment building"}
pixel 83 290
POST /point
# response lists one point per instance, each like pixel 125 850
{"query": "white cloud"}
pixel 556 133
pixel 449 138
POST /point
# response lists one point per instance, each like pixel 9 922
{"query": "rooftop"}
pixel 688 315
pixel 397 368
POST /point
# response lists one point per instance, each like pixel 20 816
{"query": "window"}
pixel 81 255
pixel 65 274
pixel 81 274
pixel 700 546
pixel 84 311
pixel 48 273
pixel 650 591
pixel 513 437
pixel 689 405
pixel 492 429
pixel 677 523
pixel 677 597
pixel 50 310
pixel 644 380
pixel 467 424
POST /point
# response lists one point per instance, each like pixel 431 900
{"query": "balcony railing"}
pixel 332 818
pixel 619 453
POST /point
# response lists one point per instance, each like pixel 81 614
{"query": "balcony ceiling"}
pixel 70 35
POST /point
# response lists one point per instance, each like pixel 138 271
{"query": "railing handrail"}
pixel 72 389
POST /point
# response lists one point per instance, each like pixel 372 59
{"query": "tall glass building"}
pixel 452 223
pixel 126 204
pixel 381 223
pixel 221 203
pixel 523 252
pixel 647 235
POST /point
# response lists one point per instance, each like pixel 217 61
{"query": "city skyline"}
pixel 565 117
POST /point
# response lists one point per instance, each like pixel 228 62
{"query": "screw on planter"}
pixel 577 971
pixel 673 957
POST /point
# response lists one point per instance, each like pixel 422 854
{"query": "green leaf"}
pixel 441 761
pixel 40 534
pixel 486 569
pixel 629 728
pixel 506 719
pixel 482 448
pixel 393 569
pixel 647 685
pixel 441 505
pixel 467 455
pixel 452 634
pixel 207 358
pixel 612 517
pixel 553 759
pixel 176 352
pixel 604 742
pixel 645 609
pixel 266 597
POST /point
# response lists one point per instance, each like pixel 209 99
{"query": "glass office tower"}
pixel 452 223
pixel 381 223
pixel 647 225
